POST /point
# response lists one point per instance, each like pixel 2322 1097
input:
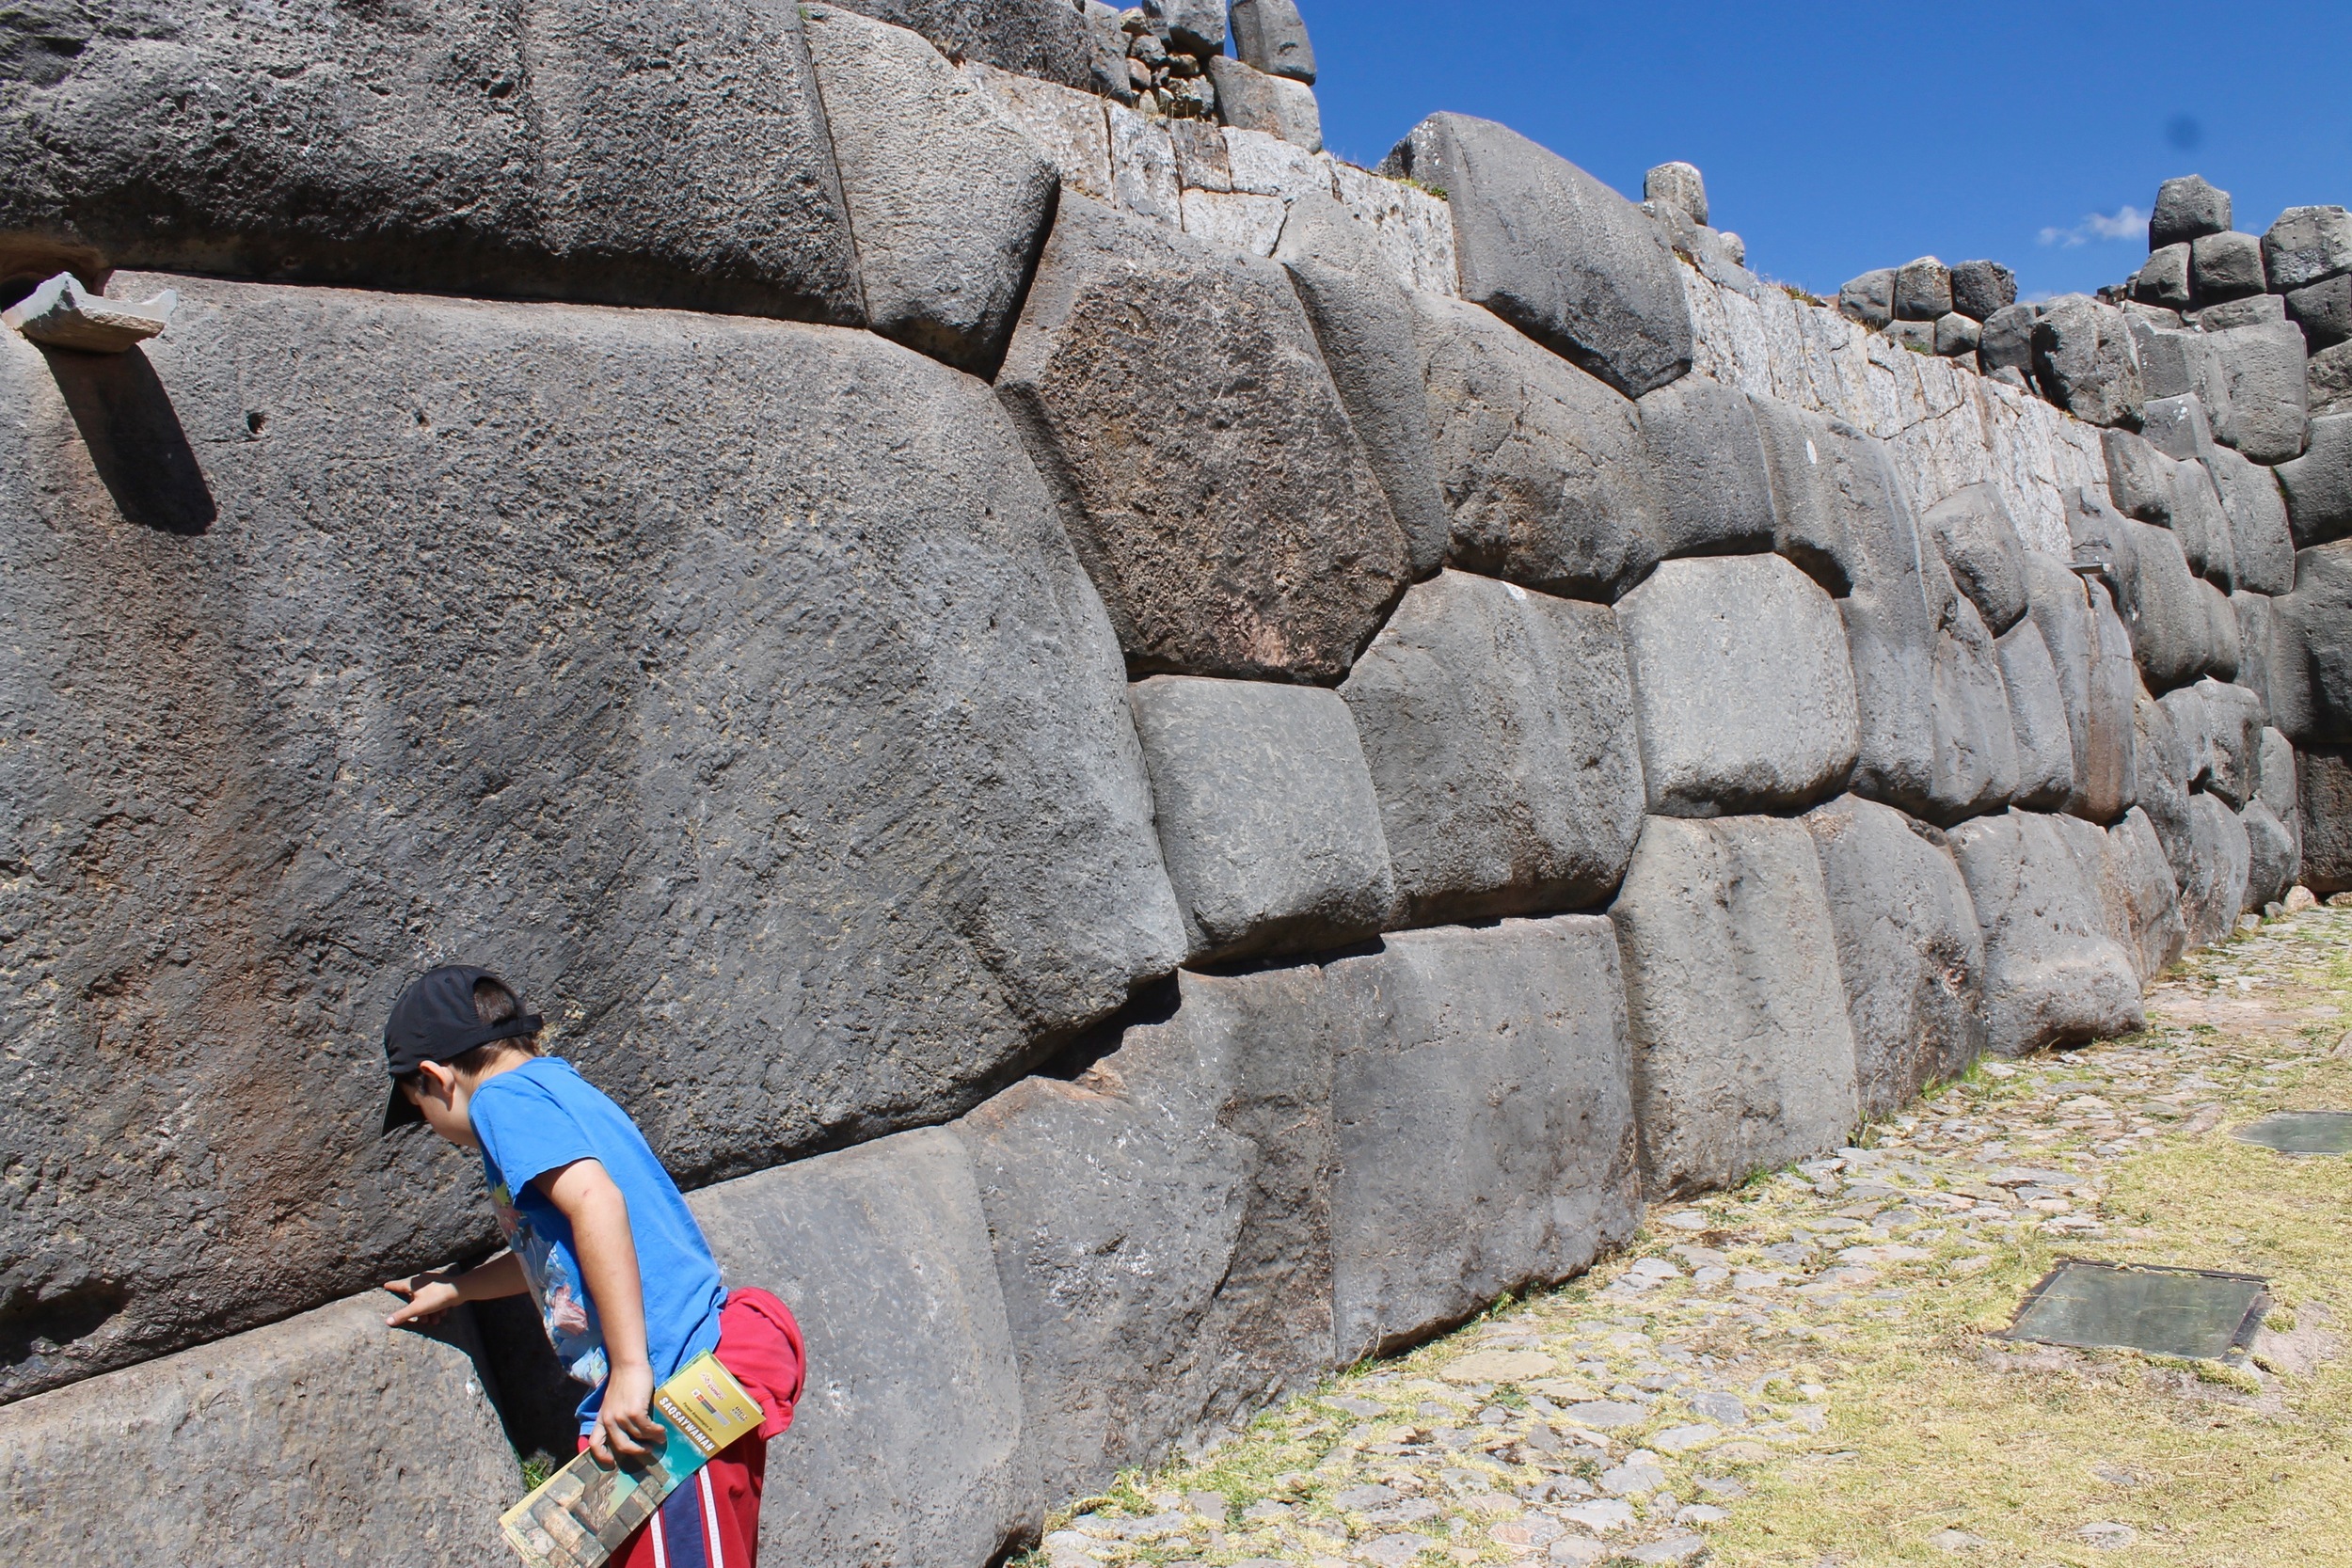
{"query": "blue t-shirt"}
pixel 541 1116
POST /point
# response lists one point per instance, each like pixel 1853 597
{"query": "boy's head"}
pixel 451 1028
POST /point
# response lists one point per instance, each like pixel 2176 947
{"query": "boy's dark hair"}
pixel 493 1004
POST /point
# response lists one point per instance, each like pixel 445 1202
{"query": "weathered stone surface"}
pixel 2323 310
pixel 2163 279
pixel 2171 638
pixel 2140 880
pixel 1923 289
pixel 2269 395
pixel 2180 425
pixel 2318 487
pixel 1499 729
pixel 1978 540
pixel 909 1446
pixel 2187 209
pixel 2311 672
pixel 2225 266
pixel 1678 186
pixel 1956 334
pixel 1481 1111
pixel 1047 38
pixel 2139 478
pixel 1213 482
pixel 2162 761
pixel 2044 740
pixel 2220 725
pixel 2054 972
pixel 1543 468
pixel 1143 167
pixel 1266 815
pixel 1869 298
pixel 1741 684
pixel 2329 375
pixel 2007 341
pixel 2275 783
pixel 2256 632
pixel 1936 723
pixel 1067 126
pixel 1908 948
pixel 1554 252
pixel 1742 1055
pixel 2251 309
pixel 1366 328
pixel 1980 288
pixel 2084 359
pixel 2306 244
pixel 2261 551
pixel 883 786
pixel 2272 860
pixel 2221 632
pixel 288 1444
pixel 521 149
pixel 947 199
pixel 1162 1224
pixel 2324 796
pixel 1712 492
pixel 1250 99
pixel 2213 881
pixel 1270 36
pixel 2200 519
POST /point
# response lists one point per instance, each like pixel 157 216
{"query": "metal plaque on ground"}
pixel 2190 1312
pixel 2301 1131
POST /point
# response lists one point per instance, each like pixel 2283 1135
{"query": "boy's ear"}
pixel 437 1079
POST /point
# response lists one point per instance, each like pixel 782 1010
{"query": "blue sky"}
pixel 1840 137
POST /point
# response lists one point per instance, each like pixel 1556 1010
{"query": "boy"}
pixel 599 1235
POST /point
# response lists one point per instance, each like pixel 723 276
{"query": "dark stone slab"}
pixel 2324 794
pixel 2055 973
pixel 1713 490
pixel 2187 209
pixel 1047 38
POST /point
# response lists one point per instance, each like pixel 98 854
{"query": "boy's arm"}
pixel 589 1199
pixel 431 1295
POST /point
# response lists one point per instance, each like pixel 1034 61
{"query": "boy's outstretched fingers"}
pixel 428 1301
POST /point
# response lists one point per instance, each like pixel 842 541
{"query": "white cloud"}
pixel 2124 222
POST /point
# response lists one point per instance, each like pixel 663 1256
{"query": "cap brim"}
pixel 401 1112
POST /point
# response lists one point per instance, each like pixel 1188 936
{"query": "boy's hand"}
pixel 624 1425
pixel 429 1298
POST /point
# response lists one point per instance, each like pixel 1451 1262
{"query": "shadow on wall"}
pixel 134 439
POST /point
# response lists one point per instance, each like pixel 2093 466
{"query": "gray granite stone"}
pixel 2140 877
pixel 2318 487
pixel 2269 393
pixel 2084 359
pixel 1980 288
pixel 2187 209
pixel 2227 265
pixel 2307 243
pixel 1711 490
pixel 1923 289
pixel 1869 298
pixel 2044 740
pixel 2262 548
pixel 1978 540
pixel 1270 36
pixel 2055 973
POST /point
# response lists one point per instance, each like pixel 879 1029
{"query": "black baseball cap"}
pixel 434 1021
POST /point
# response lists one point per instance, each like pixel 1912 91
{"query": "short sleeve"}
pixel 526 1130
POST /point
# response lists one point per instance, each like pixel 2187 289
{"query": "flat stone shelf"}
pixel 2301 1131
pixel 2203 1313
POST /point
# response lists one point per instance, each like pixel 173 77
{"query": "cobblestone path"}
pixel 1801 1372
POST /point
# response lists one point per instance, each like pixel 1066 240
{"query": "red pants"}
pixel 713 1519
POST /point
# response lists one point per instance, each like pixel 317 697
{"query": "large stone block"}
pixel 311 1441
pixel 1161 1223
pixel 2225 266
pixel 1250 99
pixel 1047 38
pixel 1555 252
pixel 2139 478
pixel 1543 468
pixel 909 1446
pixel 1267 815
pixel 456 641
pixel 947 198
pixel 1499 726
pixel 2212 868
pixel 1908 949
pixel 2307 243
pixel 1270 36
pixel 2055 973
pixel 2324 798
pixel 2043 740
pixel 2201 519
pixel 1978 540
pixel 2318 487
pixel 2221 725
pixel 2084 359
pixel 1367 330
pixel 2261 551
pixel 2324 311
pixel 533 149
pixel 2269 394
pixel 2171 633
pixel 1482 1114
pixel 1214 484
pixel 2272 858
pixel 1742 686
pixel 1713 491
pixel 2275 783
pixel 1743 1058
pixel 2140 880
pixel 2310 649
pixel 2256 633
pixel 2187 209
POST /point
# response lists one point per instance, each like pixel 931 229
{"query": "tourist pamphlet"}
pixel 583 1512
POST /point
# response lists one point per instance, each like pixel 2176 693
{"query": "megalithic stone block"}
pixel 1267 815
pixel 1742 684
pixel 2141 878
pixel 1542 466
pixel 1214 484
pixel 2201 519
pixel 1978 540
pixel 2084 359
pixel 947 199
pixel 1554 252
pixel 2269 392
pixel 1713 490
pixel 2054 972
pixel 1367 330
pixel 2219 860
pixel 911 713
pixel 2275 783
pixel 2163 760
pixel 2272 858
pixel 2171 632
pixel 2256 633
pixel 531 149
pixel 1051 39
pixel 1499 726
pixel 1908 949
pixel 2307 243
pixel 1163 1223
pixel 2324 798
pixel 2261 548
pixel 2092 654
pixel 298 1442
pixel 1481 1115
pixel 909 1446
pixel 2318 487
pixel 2044 740
pixel 1270 36
pixel 2139 478
pixel 2310 672
pixel 1743 1058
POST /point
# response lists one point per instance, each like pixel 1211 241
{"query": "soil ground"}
pixel 1807 1371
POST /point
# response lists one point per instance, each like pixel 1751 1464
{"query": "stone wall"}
pixel 1154 761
